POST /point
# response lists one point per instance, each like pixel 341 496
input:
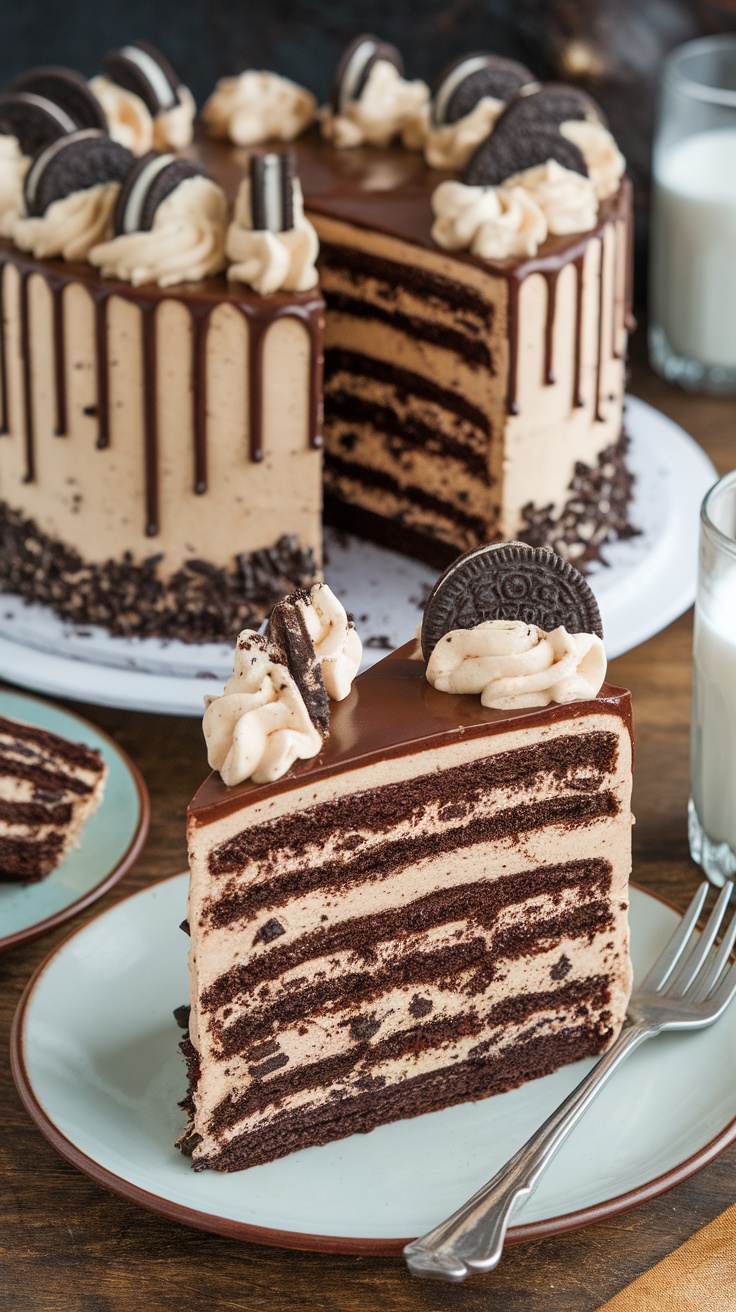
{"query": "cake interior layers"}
pixel 378 940
pixel 130 417
pixel 48 789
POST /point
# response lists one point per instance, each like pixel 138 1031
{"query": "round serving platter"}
pixel 95 1060
pixel 647 582
pixel 110 841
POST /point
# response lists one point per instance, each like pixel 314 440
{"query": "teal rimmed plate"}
pixel 110 840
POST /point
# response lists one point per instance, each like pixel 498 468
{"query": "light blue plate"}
pixel 96 1062
pixel 109 843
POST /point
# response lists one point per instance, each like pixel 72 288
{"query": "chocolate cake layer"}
pixel 48 788
pixel 439 878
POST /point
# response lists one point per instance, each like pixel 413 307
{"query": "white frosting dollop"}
pixel 494 223
pixel 515 665
pixel 336 642
pixel 260 725
pixel 173 128
pixel 605 163
pixel 258 106
pixel 186 242
pixel 128 119
pixel 386 103
pixel 71 226
pixel 13 168
pixel 271 261
pixel 451 145
pixel 567 198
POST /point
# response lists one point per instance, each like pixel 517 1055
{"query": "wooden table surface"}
pixel 66 1245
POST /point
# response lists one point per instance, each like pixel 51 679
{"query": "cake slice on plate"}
pixel 417 894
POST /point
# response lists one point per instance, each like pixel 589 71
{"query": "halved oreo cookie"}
pixel 34 120
pixel 505 153
pixel 272 191
pixel 466 80
pixel 142 69
pixel 73 163
pixel 288 631
pixel 67 89
pixel 355 65
pixel 151 179
pixel 509 581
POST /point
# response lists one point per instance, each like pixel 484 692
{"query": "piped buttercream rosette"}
pixel 270 243
pixel 372 102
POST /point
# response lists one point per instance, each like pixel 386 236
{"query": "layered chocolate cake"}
pixel 427 902
pixel 162 328
pixel 49 787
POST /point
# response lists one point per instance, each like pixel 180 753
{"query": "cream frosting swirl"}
pixel 173 128
pixel 258 106
pixel 13 168
pixel 271 261
pixel 494 223
pixel 72 225
pixel 185 243
pixel 514 665
pixel 567 198
pixel 128 119
pixel 386 103
pixel 603 159
pixel 451 145
pixel 336 643
pixel 259 725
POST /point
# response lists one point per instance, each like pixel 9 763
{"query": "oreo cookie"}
pixel 272 191
pixel 151 179
pixel 548 105
pixel 288 631
pixel 509 581
pixel 34 120
pixel 505 153
pixel 67 89
pixel 73 163
pixel 354 67
pixel 142 69
pixel 466 80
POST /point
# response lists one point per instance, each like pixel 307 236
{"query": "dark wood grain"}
pixel 66 1245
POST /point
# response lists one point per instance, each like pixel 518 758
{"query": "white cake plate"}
pixel 647 582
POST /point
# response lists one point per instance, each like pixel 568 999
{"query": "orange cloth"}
pixel 698 1277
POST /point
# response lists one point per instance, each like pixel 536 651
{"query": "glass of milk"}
pixel 712 808
pixel 692 294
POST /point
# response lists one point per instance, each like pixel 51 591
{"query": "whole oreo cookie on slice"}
pixel 466 80
pixel 503 154
pixel 355 65
pixel 287 629
pixel 142 69
pixel 146 186
pixel 272 191
pixel 67 89
pixel 509 581
pixel 73 163
pixel 34 120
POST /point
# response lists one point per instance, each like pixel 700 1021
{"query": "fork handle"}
pixel 472 1238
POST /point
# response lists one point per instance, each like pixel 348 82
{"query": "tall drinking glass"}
pixel 692 294
pixel 712 808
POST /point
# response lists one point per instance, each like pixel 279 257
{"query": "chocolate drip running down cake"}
pixel 49 787
pixel 161 412
pixel 433 907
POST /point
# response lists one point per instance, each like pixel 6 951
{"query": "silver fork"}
pixel 689 986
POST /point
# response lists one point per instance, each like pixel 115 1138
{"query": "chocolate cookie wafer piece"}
pixel 509 581
pixel 547 105
pixel 34 120
pixel 73 163
pixel 504 153
pixel 466 80
pixel 142 69
pixel 272 191
pixel 151 179
pixel 67 89
pixel 355 65
pixel 288 631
